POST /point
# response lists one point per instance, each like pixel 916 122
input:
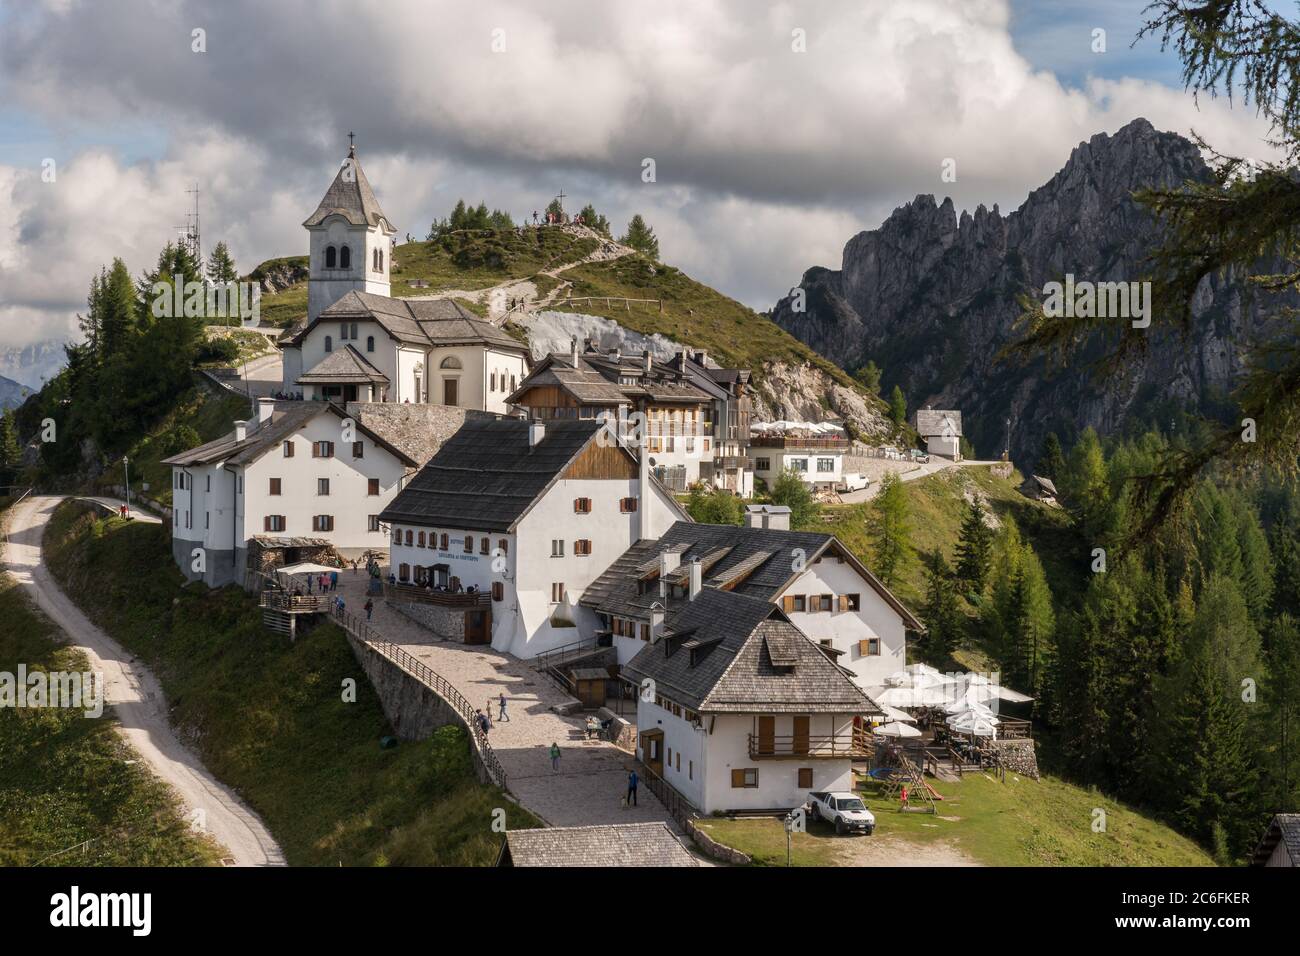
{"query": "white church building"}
pixel 360 344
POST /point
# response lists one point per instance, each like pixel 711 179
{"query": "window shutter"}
pixel 805 778
pixel 737 778
pixel 266 523
pixel 864 648
pixel 844 602
pixel 787 603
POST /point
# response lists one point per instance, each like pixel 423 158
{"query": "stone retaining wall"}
pixel 445 622
pixel 711 847
pixel 1018 756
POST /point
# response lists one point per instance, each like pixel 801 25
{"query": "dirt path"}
pixel 892 851
pixel 137 699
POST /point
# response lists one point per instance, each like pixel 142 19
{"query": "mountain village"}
pixel 434 488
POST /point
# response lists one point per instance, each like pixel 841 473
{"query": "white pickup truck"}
pixel 843 809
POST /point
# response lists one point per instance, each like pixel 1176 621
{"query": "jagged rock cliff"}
pixel 931 298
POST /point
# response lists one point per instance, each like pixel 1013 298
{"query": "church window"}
pixel 345 257
pixel 329 344
pixel 381 260
pixel 450 362
pixel 353 334
pixel 370 343
pixel 330 255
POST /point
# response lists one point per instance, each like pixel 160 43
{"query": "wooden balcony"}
pixel 416 594
pixel 297 603
pixel 839 747
pixel 798 441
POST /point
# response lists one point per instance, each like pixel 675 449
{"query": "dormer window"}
pixel 345 258
pixel 331 257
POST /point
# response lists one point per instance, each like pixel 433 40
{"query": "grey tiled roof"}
pixel 931 421
pixel 287 418
pixel 623 844
pixel 430 322
pixel 344 365
pixel 760 563
pixel 716 657
pixel 594 379
pixel 485 477
pixel 1283 828
pixel 351 197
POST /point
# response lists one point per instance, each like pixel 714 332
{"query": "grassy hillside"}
pixel 1017 823
pixel 936 505
pixel 692 313
pixel 268 716
pixel 66 778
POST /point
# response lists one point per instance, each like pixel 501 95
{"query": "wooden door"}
pixel 766 735
pixel 477 628
pixel 800 743
pixel 652 750
pixel 449 391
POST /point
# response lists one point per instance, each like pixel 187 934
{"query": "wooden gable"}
pixel 601 461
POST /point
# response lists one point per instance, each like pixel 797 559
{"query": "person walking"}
pixel 555 757
pixel 502 715
pixel 632 781
pixel 370 607
pixel 334 580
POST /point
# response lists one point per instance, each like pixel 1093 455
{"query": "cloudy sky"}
pixel 768 157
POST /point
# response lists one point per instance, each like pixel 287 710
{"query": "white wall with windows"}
pixel 819 468
pixel 831 601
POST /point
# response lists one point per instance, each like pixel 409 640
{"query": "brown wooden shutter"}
pixel 737 778
pixel 844 602
pixel 787 603
pixel 805 778
pixel 266 523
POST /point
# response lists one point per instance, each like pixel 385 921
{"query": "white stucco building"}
pixel 358 343
pixel 940 429
pixel 739 710
pixel 527 514
pixel 815 580
pixel 301 476
pixel 817 458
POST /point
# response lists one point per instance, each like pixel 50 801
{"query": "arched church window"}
pixel 381 260
pixel 354 332
pixel 329 343
pixel 370 343
pixel 450 362
pixel 330 257
pixel 345 258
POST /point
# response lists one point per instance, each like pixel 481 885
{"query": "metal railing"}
pixel 431 679
pixel 796 441
pixel 559 656
pixel 681 809
pixel 839 745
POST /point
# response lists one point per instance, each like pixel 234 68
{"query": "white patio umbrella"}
pixel 974 724
pixel 896 728
pixel 965 703
pixel 910 696
pixel 982 689
pixel 893 713
pixel 306 567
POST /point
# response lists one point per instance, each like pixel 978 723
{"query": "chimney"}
pixel 656 623
pixel 241 431
pixel 753 516
pixel 536 432
pixel 643 490
pixel 645 358
pixel 681 361
pixel 616 353
pixel 265 406
pixel 702 359
pixel 573 350
pixel 697 578
pixel 669 561
pixel 777 517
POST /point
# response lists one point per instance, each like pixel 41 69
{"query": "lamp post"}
pixel 126 474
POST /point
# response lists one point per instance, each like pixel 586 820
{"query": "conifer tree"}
pixel 889 528
pixel 641 238
pixel 974 548
pixel 1051 463
pixel 943 618
pixel 221 266
pixel 897 406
